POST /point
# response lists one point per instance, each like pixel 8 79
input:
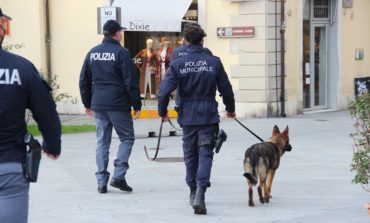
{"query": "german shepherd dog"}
pixel 262 160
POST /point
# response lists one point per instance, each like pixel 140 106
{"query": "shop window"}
pixel 150 56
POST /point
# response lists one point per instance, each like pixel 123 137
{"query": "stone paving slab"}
pixel 313 183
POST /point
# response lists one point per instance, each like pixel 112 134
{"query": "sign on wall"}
pixel 241 31
pixel 347 3
pixel 108 13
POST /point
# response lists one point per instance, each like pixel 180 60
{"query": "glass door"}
pixel 315 58
pixel 319 58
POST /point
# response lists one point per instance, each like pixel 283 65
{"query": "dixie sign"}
pixel 240 31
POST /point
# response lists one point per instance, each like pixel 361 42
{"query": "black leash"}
pixel 157 149
pixel 249 130
pixel 177 129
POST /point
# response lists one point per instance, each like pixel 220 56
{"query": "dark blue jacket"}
pixel 179 52
pixel 182 51
pixel 21 87
pixel 109 79
pixel 198 76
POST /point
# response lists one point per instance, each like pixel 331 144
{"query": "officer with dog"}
pixel 21 87
pixel 197 76
pixel 182 51
pixel 109 87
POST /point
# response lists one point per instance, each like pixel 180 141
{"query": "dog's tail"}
pixel 252 179
pixel 252 174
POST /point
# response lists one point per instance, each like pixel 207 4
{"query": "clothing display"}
pixel 147 63
pixel 164 58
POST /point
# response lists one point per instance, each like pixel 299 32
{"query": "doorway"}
pixel 318 62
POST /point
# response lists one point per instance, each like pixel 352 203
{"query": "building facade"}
pixel 326 45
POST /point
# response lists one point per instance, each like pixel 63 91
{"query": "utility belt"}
pixel 218 138
pixel 33 158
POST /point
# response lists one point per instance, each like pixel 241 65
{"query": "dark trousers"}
pixel 198 158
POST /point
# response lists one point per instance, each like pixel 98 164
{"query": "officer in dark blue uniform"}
pixel 21 87
pixel 197 76
pixel 182 51
pixel 109 87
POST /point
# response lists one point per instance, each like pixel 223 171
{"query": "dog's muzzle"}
pixel 288 147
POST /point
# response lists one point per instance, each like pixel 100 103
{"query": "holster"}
pixel 216 141
pixel 221 138
pixel 33 158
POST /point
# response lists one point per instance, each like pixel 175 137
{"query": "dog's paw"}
pixel 270 196
pixel 251 204
pixel 262 200
pixel 267 200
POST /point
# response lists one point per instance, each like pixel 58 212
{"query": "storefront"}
pixel 152 36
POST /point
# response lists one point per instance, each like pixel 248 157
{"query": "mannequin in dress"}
pixel 148 69
pixel 164 58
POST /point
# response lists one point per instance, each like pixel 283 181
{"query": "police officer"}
pixel 21 87
pixel 197 76
pixel 109 87
pixel 182 51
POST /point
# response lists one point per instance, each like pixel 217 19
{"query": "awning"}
pixel 152 15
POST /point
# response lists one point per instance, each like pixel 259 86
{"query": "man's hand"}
pixel 230 114
pixel 136 114
pixel 164 119
pixel 89 112
pixel 51 156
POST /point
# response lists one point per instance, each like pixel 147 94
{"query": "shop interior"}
pixel 152 53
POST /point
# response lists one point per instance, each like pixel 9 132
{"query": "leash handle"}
pixel 177 129
pixel 249 130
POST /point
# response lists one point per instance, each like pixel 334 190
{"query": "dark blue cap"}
pixel 111 27
pixel 3 15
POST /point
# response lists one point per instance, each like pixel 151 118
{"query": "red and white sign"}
pixel 241 31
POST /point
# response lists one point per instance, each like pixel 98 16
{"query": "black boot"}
pixel 192 195
pixel 199 205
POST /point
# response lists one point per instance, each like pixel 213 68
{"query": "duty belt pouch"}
pixel 33 158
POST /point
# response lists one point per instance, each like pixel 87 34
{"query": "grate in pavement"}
pixel 170 159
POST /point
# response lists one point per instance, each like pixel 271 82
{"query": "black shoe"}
pixel 121 184
pixel 191 196
pixel 102 189
pixel 199 204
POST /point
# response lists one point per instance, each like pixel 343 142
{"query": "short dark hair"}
pixel 193 33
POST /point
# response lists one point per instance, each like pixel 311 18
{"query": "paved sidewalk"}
pixel 313 183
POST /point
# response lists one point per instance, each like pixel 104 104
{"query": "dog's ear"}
pixel 275 130
pixel 286 131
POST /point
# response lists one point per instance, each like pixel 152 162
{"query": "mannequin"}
pixel 164 58
pixel 148 69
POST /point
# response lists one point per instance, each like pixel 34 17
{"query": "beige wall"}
pixel 214 19
pixel 73 34
pixel 220 47
pixel 355 34
pixel 26 28
pixel 293 56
